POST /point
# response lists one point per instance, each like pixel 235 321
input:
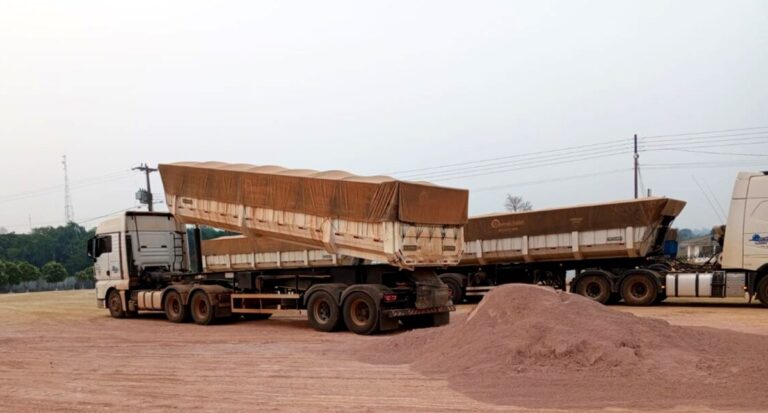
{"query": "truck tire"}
pixel 175 310
pixel 115 304
pixel 762 291
pixel 638 290
pixel 361 313
pixel 323 312
pixel 595 287
pixel 202 311
pixel 457 292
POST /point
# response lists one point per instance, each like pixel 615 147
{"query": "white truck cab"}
pixel 746 235
pixel 127 246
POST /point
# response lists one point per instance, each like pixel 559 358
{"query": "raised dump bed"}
pixel 241 253
pixel 618 229
pixel 405 224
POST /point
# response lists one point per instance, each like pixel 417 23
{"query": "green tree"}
pixel 28 272
pixel 85 275
pixel 54 272
pixel 3 277
pixel 12 273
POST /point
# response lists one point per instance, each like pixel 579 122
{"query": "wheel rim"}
pixel 202 308
pixel 639 290
pixel 360 312
pixel 593 290
pixel 174 306
pixel 322 311
pixel 114 302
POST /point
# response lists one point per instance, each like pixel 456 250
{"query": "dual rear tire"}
pixel 638 288
pixel 359 312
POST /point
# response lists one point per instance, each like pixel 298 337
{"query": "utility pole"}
pixel 69 211
pixel 637 156
pixel 145 196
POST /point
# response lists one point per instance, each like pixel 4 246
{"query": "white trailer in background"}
pixel 617 250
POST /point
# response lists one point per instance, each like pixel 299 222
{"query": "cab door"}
pixel 756 224
pixel 108 263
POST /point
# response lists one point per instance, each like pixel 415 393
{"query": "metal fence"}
pixel 70 283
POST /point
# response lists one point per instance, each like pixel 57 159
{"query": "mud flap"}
pixel 388 323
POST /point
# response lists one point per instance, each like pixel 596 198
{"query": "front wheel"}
pixel 115 304
pixel 202 310
pixel 762 291
pixel 361 314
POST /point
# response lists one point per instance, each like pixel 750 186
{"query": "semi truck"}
pixel 403 231
pixel 622 250
pixel 618 251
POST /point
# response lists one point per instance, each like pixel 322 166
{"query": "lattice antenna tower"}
pixel 69 212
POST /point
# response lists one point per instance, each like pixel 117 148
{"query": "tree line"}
pixel 48 253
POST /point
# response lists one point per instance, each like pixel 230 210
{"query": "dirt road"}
pixel 57 351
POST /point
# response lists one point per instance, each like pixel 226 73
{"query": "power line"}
pixel 543 181
pixel 542 158
pixel 703 133
pixel 76 184
pixel 715 153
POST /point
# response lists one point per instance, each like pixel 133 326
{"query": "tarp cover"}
pixel 619 214
pixel 239 244
pixel 335 194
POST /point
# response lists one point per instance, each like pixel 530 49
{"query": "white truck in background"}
pixel 624 260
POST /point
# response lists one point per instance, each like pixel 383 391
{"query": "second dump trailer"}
pixel 540 246
pixel 617 250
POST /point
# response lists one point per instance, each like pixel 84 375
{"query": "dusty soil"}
pixel 58 352
pixel 523 342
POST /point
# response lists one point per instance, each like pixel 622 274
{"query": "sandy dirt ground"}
pixel 59 352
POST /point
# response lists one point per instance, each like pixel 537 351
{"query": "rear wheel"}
pixel 639 289
pixel 175 310
pixel 361 314
pixel 595 287
pixel 762 291
pixel 323 312
pixel 457 293
pixel 115 304
pixel 202 310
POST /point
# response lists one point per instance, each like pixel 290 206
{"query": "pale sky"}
pixel 383 88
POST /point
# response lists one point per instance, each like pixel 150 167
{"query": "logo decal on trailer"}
pixel 757 239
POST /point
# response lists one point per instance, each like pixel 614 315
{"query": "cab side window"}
pixel 103 245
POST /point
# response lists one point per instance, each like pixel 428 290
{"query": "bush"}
pixel 85 275
pixel 12 273
pixel 28 272
pixel 54 272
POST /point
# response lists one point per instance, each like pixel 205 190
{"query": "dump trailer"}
pixel 392 234
pixel 618 250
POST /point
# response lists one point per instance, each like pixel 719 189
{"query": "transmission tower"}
pixel 69 212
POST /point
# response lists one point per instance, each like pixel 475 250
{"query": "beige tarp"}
pixel 334 194
pixel 620 214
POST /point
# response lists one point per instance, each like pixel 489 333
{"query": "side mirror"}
pixel 92 248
